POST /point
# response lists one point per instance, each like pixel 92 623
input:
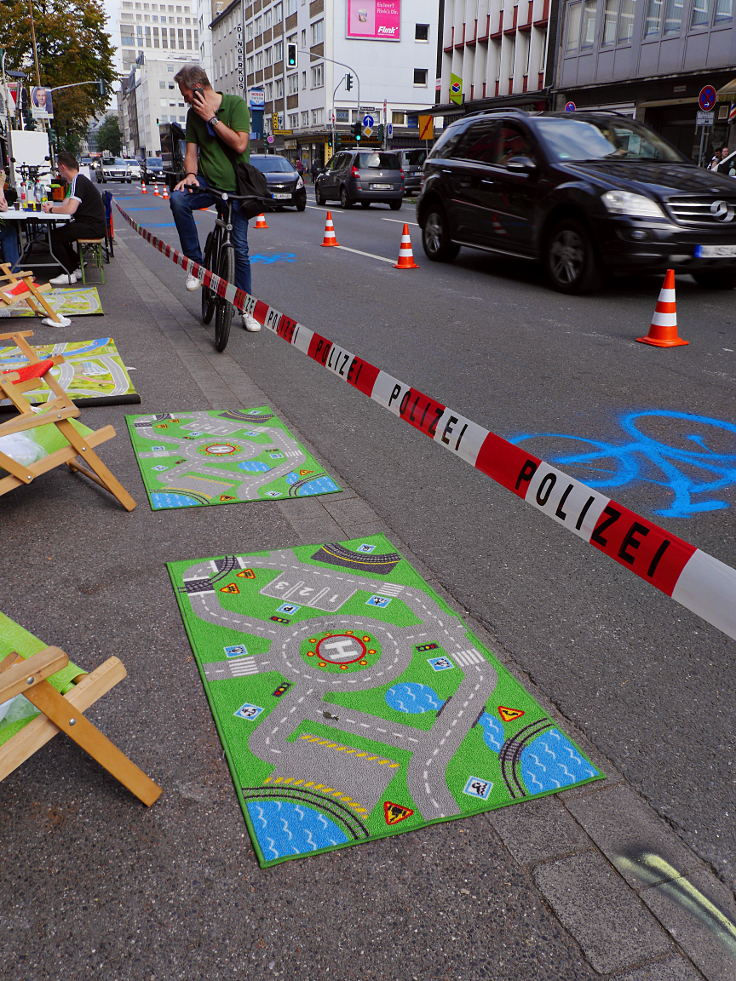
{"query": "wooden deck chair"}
pixel 19 287
pixel 58 692
pixel 50 434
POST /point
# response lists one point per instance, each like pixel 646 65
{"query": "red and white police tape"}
pixel 695 579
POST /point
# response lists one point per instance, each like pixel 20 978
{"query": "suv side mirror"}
pixel 521 164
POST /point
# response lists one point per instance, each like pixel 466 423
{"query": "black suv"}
pixel 583 192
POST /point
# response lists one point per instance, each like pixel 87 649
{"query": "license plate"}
pixel 282 197
pixel 380 187
pixel 715 251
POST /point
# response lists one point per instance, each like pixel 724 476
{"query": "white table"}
pixel 26 220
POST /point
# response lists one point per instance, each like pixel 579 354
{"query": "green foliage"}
pixel 72 46
pixel 109 136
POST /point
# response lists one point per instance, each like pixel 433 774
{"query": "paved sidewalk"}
pixel 587 884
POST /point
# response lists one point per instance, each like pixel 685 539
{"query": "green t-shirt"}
pixel 215 159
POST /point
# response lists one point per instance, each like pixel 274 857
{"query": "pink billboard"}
pixel 374 20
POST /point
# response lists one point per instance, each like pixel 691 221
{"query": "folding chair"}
pixel 51 431
pixel 59 693
pixel 19 287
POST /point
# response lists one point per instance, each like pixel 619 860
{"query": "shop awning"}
pixel 728 92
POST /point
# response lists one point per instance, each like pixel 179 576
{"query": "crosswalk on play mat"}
pixel 222 457
pixel 69 301
pixel 353 704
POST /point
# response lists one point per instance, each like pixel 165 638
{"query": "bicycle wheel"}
pixel 208 297
pixel 223 309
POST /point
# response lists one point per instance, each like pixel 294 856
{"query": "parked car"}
pixel 114 169
pixel 134 166
pixel 580 192
pixel 153 169
pixel 366 176
pixel 412 163
pixel 284 183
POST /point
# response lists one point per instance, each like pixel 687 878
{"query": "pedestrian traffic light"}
pixel 291 55
pixel 348 81
pixel 357 131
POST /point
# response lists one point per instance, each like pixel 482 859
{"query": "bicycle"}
pixel 219 258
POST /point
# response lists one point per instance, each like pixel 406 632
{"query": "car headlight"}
pixel 628 203
pixel 299 183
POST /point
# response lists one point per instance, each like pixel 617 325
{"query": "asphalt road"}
pixel 647 682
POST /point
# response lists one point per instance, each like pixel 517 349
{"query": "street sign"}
pixel 269 139
pixel 390 130
pixel 426 127
pixel 368 130
pixel 707 98
pixel 570 107
pixel 368 121
pixel 704 118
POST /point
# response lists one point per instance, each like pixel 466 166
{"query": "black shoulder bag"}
pixel 251 183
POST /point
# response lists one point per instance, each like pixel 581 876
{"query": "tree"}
pixel 109 136
pixel 72 46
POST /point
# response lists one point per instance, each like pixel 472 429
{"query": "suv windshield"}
pixel 616 138
pixel 378 161
pixel 271 165
pixel 154 161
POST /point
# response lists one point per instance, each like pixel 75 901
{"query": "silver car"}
pixel 116 169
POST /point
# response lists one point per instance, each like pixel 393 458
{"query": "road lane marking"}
pixel 370 255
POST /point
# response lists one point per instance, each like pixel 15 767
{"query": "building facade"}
pixel 495 52
pixel 652 58
pixel 149 96
pixel 354 59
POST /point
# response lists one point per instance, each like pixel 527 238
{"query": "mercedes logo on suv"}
pixel 722 211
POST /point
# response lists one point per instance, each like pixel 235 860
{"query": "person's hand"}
pixel 189 181
pixel 203 103
pixel 46 207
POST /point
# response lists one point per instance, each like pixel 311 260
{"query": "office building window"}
pixel 420 76
pixel 673 16
pixel 318 31
pixel 724 10
pixel 626 21
pixel 701 13
pixel 587 34
pixel 421 32
pixel 653 18
pixel 610 17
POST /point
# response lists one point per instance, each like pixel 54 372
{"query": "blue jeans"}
pixel 183 203
pixel 9 244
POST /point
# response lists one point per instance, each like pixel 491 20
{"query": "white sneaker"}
pixel 66 279
pixel 193 283
pixel 250 322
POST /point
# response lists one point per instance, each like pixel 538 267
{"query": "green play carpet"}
pixel 220 457
pixel 93 373
pixel 70 301
pixel 16 712
pixel 353 704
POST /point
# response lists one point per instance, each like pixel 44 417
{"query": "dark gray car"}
pixel 412 163
pixel 362 175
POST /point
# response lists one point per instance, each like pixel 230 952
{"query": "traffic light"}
pixel 348 81
pixel 102 86
pixel 357 131
pixel 291 55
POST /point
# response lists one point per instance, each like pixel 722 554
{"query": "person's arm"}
pixel 67 207
pixel 204 106
pixel 190 168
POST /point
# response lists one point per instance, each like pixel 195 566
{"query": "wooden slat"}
pixel 14 681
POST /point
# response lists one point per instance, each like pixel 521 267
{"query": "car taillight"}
pixel 354 172
pixel 401 172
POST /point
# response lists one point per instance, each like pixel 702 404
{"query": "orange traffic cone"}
pixel 330 237
pixel 261 222
pixel 155 190
pixel 144 189
pixel 406 256
pixel 165 193
pixel 663 330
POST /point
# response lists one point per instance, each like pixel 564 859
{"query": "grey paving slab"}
pixel 541 830
pixel 627 830
pixel 673 969
pixel 609 921
pixel 701 916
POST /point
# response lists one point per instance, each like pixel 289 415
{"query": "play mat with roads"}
pixel 353 704
pixel 212 457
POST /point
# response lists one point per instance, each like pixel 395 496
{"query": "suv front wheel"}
pixel 436 241
pixel 569 258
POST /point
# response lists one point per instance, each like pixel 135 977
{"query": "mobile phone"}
pixel 198 93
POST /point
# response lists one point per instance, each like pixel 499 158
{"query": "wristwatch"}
pixel 214 121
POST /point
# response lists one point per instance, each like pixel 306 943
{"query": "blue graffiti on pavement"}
pixel 276 257
pixel 698 463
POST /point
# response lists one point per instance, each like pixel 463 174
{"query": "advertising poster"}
pixel 374 20
pixel 41 105
pixel 456 89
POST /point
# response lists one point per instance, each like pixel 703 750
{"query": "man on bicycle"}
pixel 218 126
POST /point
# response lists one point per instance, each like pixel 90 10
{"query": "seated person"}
pixel 9 248
pixel 84 203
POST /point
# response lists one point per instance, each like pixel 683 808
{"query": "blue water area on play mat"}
pixel 493 734
pixel 551 762
pixel 321 485
pixel 162 499
pixel 283 828
pixel 253 466
pixel 413 698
